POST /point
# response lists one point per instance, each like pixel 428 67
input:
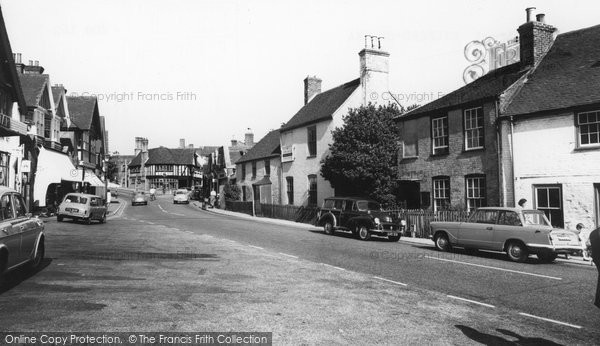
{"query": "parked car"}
pixel 181 196
pixel 515 231
pixel 360 216
pixel 21 235
pixel 139 198
pixel 82 206
pixel 115 193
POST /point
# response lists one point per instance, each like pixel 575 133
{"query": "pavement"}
pixel 577 260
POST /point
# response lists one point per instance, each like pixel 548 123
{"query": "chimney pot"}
pixel 30 62
pixel 529 11
pixel 541 18
pixel 36 63
pixel 312 86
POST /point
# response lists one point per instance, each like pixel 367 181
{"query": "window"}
pixel 549 200
pixel 312 140
pixel 243 173
pixel 253 169
pixel 409 147
pixel 20 207
pixel 474 128
pixel 4 160
pixel 484 216
pixel 244 193
pixel 339 204
pixel 6 211
pixel 289 183
pixel 588 128
pixel 439 135
pixel 509 218
pixel 441 193
pixel 475 192
pixel 312 189
pixel 267 167
pixel 164 168
pixel 348 206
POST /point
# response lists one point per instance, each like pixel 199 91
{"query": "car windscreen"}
pixel 367 205
pixel 181 192
pixel 76 199
pixel 535 217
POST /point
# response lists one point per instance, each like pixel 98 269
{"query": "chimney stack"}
pixel 18 64
pixel 141 145
pixel 234 142
pixel 182 143
pixel 374 70
pixel 33 68
pixel 535 39
pixel 312 87
pixel 249 138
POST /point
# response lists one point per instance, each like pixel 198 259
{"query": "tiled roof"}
pixel 57 92
pixel 166 156
pixel 322 106
pixel 33 87
pixel 488 86
pixel 9 76
pixel 267 147
pixel 569 75
pixel 81 110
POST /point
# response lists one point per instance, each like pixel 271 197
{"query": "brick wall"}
pixel 457 163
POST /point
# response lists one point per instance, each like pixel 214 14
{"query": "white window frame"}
pixel 439 132
pixel 473 128
pixel 590 126
pixel 475 189
pixel 440 192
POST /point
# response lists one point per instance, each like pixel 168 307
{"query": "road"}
pixel 550 300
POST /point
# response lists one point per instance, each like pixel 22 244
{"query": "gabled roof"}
pixel 322 106
pixel 267 147
pixel 57 92
pixel 34 86
pixel 489 86
pixel 166 156
pixel 81 110
pixel 8 67
pixel 568 76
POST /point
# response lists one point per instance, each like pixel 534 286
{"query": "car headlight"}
pixel 388 219
pixel 376 220
pixel 403 223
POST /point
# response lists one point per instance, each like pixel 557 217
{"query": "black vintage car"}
pixel 360 216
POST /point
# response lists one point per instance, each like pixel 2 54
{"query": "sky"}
pixel 207 71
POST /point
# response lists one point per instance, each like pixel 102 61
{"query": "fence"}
pixel 420 219
pixel 276 211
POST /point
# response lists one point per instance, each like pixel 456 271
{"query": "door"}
pixel 478 232
pixel 25 225
pixel 11 237
pixel 348 213
pixel 509 226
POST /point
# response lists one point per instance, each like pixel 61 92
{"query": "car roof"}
pixel 351 199
pixel 81 194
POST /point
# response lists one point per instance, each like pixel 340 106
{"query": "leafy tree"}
pixel 112 170
pixel 363 157
pixel 231 192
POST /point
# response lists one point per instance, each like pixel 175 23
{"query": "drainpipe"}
pixel 512 156
pixel 499 153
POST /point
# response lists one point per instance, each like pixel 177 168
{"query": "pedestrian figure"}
pixel 584 235
pixel 595 244
pixel 522 203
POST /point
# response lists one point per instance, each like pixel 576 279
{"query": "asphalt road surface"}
pixel 553 298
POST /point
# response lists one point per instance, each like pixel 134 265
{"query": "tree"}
pixel 231 192
pixel 363 157
pixel 112 171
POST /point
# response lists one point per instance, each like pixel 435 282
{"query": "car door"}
pixel 509 226
pixel 94 207
pixel 478 232
pixel 27 226
pixel 10 236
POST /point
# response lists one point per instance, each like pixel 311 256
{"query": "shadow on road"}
pixel 489 339
pixel 14 278
pixel 348 235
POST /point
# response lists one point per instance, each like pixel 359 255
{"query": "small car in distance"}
pixel 360 216
pixel 516 231
pixel 181 196
pixel 21 235
pixel 139 198
pixel 82 206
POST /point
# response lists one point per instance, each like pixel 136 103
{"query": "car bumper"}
pixel 561 249
pixel 387 229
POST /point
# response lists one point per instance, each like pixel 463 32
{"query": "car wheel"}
pixel 441 242
pixel 103 219
pixel 393 238
pixel 517 251
pixel 363 233
pixel 38 257
pixel 547 257
pixel 59 218
pixel 328 228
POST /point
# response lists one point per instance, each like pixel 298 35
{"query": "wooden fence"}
pixel 276 211
pixel 419 220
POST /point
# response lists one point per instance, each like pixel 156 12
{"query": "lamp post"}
pixel 106 180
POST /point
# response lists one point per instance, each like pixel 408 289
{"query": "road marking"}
pixel 291 256
pixel 496 268
pixel 392 281
pixel 256 247
pixel 471 301
pixel 334 267
pixel 161 208
pixel 549 320
pixel 178 214
pixel 151 223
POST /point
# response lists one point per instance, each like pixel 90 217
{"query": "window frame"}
pixel 243 171
pixel 311 140
pixel 482 193
pixel 435 198
pixel 289 185
pixel 578 126
pixel 253 170
pixel 312 190
pixel 440 149
pixel 267 164
pixel 549 210
pixel 479 129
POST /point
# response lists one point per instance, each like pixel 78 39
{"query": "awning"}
pixel 90 177
pixel 51 168
pixel 113 185
pixel 264 181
